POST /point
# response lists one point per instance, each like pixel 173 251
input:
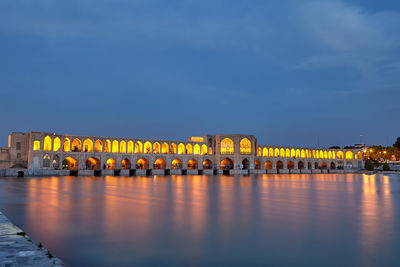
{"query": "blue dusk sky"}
pixel 290 72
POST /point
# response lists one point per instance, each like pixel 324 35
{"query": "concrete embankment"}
pixel 17 249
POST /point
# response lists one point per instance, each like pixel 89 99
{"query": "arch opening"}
pixel 93 163
pixel 226 164
pixel 70 163
pixel 176 164
pixel 160 164
pixel 142 164
pixel 207 164
pixel 126 164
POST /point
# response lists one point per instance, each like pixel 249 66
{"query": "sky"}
pixel 290 72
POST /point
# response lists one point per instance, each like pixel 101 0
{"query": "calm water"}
pixel 262 220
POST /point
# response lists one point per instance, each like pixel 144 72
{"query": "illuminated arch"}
pixel 265 152
pixel 307 153
pixel 339 154
pixel 325 154
pixel 126 164
pixel 210 151
pixel 349 155
pixel 70 163
pixel 189 149
pixel 227 146
pixel 321 154
pixel 147 148
pixel 156 148
pixel 98 146
pixel 276 152
pixel 298 154
pixel 196 149
pixel 67 145
pixel 192 164
pixel 330 155
pixel 76 145
pixel 207 164
pixel 203 149
pixel 93 163
pixel 290 165
pixel 88 145
pixel 313 154
pixel 279 165
pixel 107 147
pixel 176 164
pixel 110 165
pixel 142 164
pixel 130 147
pixel 36 145
pixel 268 165
pixel 282 152
pixel 138 147
pixel 164 148
pixel 333 154
pixel 292 153
pixel 226 164
pixel 302 153
pixel 287 152
pixel 181 149
pixel 172 148
pixel 122 147
pixel 160 164
pixel 47 143
pixel 115 146
pixel 359 155
pixel 259 152
pixel 271 152
pixel 245 146
pixel 56 144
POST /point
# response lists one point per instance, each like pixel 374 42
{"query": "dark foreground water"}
pixel 261 220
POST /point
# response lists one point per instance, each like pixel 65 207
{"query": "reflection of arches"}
pixel 98 146
pixel 160 164
pixel 172 148
pixel 207 164
pixel 147 148
pixel 192 164
pixel 87 145
pixel 257 165
pixel 142 164
pixel 70 163
pixel 126 164
pixel 279 165
pixel 246 164
pixel 189 150
pixel 196 149
pixel 349 155
pixel 76 145
pixel 122 147
pixel 156 148
pixel 176 164
pixel 107 148
pixel 164 148
pixel 181 149
pixel 93 163
pixel 46 161
pixel 290 165
pixel 333 166
pixel 56 144
pixel 115 146
pixel 226 164
pixel 110 165
pixel 300 165
pixel 227 146
pixel 268 165
pixel 47 143
pixel 245 146
pixel 323 165
pixel 36 145
pixel 138 147
pixel 67 145
pixel 203 149
pixel 130 147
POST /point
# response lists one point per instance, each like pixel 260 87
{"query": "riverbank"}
pixel 17 249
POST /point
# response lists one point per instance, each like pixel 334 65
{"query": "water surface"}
pixel 260 220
